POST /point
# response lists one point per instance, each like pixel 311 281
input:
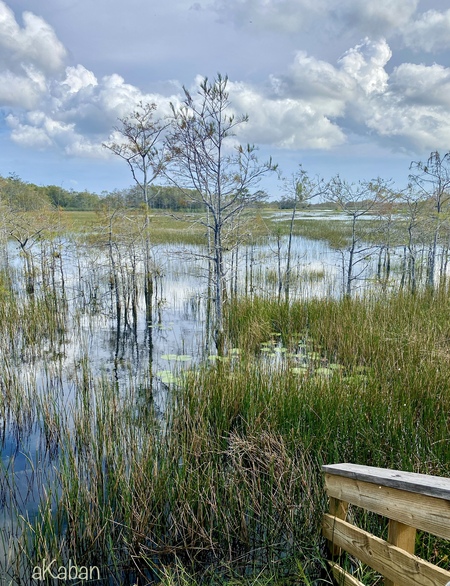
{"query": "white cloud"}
pixel 27 55
pixel 284 122
pixel 422 85
pixel 78 113
pixel 35 43
pixel 306 105
pixel 78 78
pixel 415 128
pixel 23 91
pixel 311 105
pixel 318 80
pixel 365 64
pixel 413 112
pixel 430 32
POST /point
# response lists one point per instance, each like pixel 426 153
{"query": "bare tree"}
pixel 356 200
pixel 27 233
pixel 140 143
pixel 414 211
pixel 432 180
pixel 212 168
pixel 299 188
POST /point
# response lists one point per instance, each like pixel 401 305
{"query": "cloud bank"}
pixel 312 104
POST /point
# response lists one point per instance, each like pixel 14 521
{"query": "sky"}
pixel 355 87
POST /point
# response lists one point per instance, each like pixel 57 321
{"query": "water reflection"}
pixel 131 354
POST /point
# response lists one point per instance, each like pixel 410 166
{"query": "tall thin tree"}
pixel 208 163
pixel 139 142
pixel 432 180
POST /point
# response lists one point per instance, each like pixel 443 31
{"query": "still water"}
pixel 132 353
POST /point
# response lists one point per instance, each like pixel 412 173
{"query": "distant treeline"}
pixel 159 197
pixel 22 196
pixel 19 195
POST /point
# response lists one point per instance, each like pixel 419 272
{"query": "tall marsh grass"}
pixel 224 486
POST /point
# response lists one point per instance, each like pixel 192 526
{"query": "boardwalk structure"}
pixel 410 501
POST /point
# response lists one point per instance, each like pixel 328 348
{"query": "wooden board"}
pixel 342 577
pixel 415 510
pixel 425 484
pixel 403 537
pixel 395 564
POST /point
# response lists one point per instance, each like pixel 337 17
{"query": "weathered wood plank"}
pixel 342 577
pixel 415 510
pixel 425 484
pixel 401 536
pixel 402 568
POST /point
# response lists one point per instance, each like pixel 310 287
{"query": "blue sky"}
pixel 355 87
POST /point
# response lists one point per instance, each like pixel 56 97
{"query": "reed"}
pixel 224 486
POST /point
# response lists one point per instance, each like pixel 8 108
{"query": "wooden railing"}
pixel 410 501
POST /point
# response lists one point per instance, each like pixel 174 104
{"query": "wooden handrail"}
pixel 410 501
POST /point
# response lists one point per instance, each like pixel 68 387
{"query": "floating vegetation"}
pixel 300 369
pixel 177 357
pixel 168 377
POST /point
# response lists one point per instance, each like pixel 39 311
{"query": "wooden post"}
pixel 402 536
pixel 338 509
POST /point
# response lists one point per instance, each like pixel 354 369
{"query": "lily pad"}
pixel 167 377
pixel 177 357
pixel 299 369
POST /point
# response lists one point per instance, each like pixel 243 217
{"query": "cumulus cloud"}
pixel 308 107
pixel 37 130
pixel 430 32
pixel 33 44
pixel 413 112
pixel 365 64
pixel 78 78
pixel 284 122
pixel 305 107
pixel 319 80
pixel 421 85
pixel 24 91
pixel 312 105
pixel 27 55
pixel 79 113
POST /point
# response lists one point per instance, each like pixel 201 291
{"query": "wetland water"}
pixel 50 383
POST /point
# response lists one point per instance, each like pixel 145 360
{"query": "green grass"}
pixel 185 227
pixel 165 226
pixel 226 488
